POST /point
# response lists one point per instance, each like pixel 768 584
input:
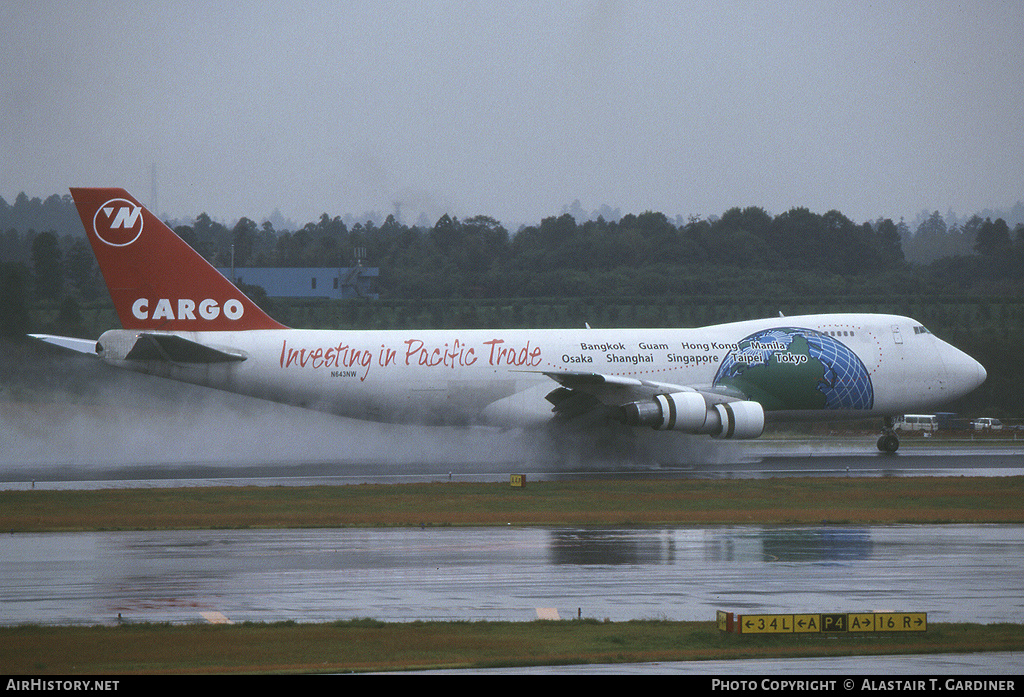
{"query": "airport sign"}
pixel 825 623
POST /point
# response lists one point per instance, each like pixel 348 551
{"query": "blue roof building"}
pixel 283 282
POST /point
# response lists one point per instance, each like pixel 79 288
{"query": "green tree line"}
pixel 646 254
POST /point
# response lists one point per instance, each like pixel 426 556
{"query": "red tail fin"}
pixel 155 279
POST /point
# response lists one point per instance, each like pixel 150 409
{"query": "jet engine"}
pixel 689 412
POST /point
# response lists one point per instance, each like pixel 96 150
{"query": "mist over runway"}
pixel 72 421
pixel 839 463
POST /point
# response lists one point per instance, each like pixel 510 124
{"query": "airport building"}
pixel 334 283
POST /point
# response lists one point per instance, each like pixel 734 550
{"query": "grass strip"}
pixel 798 500
pixel 370 645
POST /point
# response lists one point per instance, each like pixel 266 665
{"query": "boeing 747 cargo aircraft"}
pixel 183 320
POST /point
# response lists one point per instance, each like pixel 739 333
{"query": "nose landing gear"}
pixel 888 442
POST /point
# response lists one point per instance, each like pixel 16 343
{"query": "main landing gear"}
pixel 888 442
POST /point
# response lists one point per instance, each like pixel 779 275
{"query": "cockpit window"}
pixel 921 330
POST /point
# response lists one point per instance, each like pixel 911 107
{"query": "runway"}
pixel 955 573
pixel 759 459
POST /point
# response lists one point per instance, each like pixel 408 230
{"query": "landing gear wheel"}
pixel 888 443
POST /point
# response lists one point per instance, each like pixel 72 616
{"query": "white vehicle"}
pixel 918 422
pixel 183 320
pixel 986 424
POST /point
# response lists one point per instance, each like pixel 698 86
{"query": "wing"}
pixel 619 390
pixel 720 412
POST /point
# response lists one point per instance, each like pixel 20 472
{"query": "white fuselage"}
pixel 466 375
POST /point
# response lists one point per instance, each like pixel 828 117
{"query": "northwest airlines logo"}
pixel 118 222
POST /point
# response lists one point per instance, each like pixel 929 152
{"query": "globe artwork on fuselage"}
pixel 792 369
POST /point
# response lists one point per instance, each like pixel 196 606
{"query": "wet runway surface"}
pixel 955 573
pixel 732 460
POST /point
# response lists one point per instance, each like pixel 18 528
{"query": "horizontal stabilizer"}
pixel 176 349
pixel 69 342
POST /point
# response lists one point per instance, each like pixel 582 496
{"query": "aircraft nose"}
pixel 965 373
pixel 981 374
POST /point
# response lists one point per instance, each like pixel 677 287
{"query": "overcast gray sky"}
pixel 515 109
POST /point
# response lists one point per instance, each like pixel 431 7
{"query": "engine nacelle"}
pixel 689 412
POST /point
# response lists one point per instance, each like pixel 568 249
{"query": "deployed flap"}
pixel 574 380
pixel 617 390
pixel 176 349
pixel 613 390
pixel 593 396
